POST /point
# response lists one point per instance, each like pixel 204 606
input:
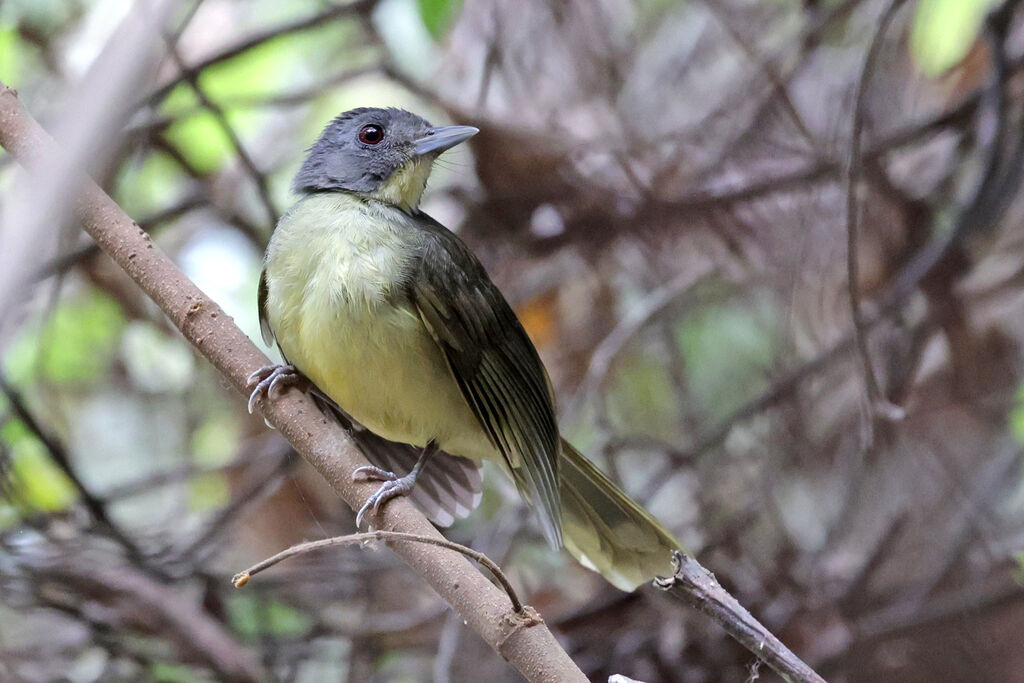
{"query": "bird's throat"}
pixel 404 188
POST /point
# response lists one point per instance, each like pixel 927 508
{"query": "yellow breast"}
pixel 334 268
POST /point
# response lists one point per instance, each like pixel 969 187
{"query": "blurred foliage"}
pixel 255 617
pixel 10 52
pixel 41 486
pixel 214 440
pixel 438 15
pixel 144 186
pixel 728 350
pixel 944 30
pixel 74 345
pixel 164 672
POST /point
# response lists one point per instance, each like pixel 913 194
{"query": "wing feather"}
pixel 493 362
pixel 261 300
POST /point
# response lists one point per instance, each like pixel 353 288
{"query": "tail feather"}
pixel 605 530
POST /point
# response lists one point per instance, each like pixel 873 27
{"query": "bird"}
pixel 395 327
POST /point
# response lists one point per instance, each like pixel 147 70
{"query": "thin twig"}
pixel 767 69
pixel 61 458
pixel 880 406
pixel 639 317
pixel 257 176
pixel 331 13
pixel 264 481
pixel 242 578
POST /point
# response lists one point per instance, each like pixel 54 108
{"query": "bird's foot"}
pixel 271 380
pixel 393 487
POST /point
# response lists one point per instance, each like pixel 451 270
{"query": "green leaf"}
pixel 944 31
pixel 439 15
pixel 216 439
pixel 145 188
pixel 1017 417
pixel 39 482
pixel 1018 571
pixel 208 491
pixel 76 345
pixel 202 141
pixel 285 621
pixel 9 516
pixel 252 616
pixel 259 72
pixel 175 673
pixel 642 399
pixel 10 62
pixel 726 350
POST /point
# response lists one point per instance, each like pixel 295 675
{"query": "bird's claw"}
pixel 371 473
pixel 270 381
pixel 393 487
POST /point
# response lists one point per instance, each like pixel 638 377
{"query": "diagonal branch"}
pixel 698 587
pixel 258 177
pixel 528 646
pixel 60 457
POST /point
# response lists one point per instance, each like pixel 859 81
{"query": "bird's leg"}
pixel 270 380
pixel 393 485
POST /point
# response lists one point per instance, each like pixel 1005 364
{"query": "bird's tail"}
pixel 606 530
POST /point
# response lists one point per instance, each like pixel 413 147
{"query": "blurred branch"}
pixel 62 264
pixel 775 80
pixel 820 170
pixel 646 310
pixel 333 12
pixel 699 588
pixel 529 646
pixel 778 76
pixel 903 617
pixel 879 405
pixel 262 483
pixel 1002 163
pixel 260 447
pixel 779 389
pixel 133 599
pixel 258 177
pixel 94 112
pixel 60 457
pixel 254 233
pixel 300 97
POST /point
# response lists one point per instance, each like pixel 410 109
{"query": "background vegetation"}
pixel 663 190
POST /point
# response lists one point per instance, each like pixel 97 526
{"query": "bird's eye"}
pixel 371 134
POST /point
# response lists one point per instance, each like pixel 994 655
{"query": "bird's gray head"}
pixel 384 154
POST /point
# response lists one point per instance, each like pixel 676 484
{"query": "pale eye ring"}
pixel 371 134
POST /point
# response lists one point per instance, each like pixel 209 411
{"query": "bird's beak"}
pixel 438 140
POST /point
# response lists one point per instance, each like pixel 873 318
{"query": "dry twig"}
pixel 242 578
pixel 698 587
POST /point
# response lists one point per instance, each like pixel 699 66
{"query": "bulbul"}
pixel 402 334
